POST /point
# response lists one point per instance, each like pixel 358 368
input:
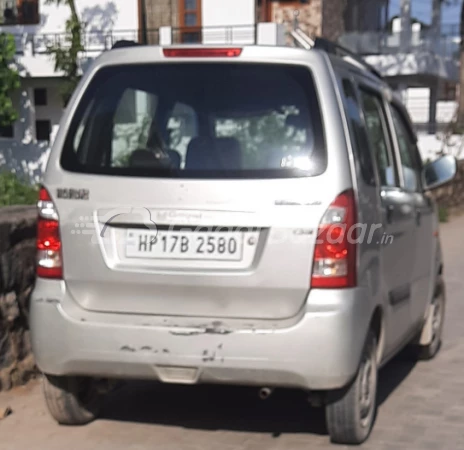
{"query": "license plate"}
pixel 189 245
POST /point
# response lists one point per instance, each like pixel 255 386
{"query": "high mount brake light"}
pixel 202 52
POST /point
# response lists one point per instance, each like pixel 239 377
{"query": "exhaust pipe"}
pixel 265 393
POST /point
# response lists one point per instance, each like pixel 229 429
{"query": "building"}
pixel 362 25
pixel 420 61
pixel 36 25
pixel 314 17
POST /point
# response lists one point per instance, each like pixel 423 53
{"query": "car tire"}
pixel 351 414
pixel 72 400
pixel 436 320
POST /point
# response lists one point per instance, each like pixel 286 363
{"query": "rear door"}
pixel 397 243
pixel 204 190
pixel 425 242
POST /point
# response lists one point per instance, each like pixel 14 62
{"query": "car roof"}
pixel 153 53
pixel 128 54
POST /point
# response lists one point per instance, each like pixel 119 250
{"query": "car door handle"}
pixel 418 217
pixel 389 213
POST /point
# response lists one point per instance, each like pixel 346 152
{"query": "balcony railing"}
pixel 366 43
pixel 381 43
pixel 99 41
pixel 93 41
pixel 237 34
pixel 451 29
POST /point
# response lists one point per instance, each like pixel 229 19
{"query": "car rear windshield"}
pixel 198 121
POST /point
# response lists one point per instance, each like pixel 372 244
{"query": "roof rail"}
pixel 332 48
pixel 338 50
pixel 301 40
pixel 124 43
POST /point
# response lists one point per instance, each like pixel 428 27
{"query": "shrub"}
pixel 14 191
pixel 443 214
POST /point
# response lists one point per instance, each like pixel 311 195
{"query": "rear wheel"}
pixel 71 400
pixel 351 414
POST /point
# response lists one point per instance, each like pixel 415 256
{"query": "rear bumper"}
pixel 319 351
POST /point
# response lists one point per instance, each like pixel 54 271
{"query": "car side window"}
pixel 359 137
pixel 374 114
pixel 408 152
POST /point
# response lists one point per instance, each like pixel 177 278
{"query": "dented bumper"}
pixel 318 350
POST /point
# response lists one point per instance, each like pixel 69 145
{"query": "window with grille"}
pixel 43 129
pixel 19 12
pixel 190 20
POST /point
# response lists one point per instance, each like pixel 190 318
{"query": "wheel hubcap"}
pixel 367 390
pixel 437 319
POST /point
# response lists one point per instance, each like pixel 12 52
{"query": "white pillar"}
pixel 436 24
pixel 165 35
pixel 270 34
pixel 403 92
pixel 433 109
pixel 405 40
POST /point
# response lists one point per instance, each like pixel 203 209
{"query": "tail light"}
pixel 49 261
pixel 335 251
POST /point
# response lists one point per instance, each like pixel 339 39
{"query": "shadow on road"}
pixel 231 408
pixel 392 375
pixel 215 408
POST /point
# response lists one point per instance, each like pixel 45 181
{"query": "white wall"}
pixel 430 146
pixel 23 154
pixel 415 62
pixel 54 108
pixel 100 16
pixel 446 111
pixel 23 101
pixel 28 161
pixel 227 13
pixel 418 101
pixel 417 104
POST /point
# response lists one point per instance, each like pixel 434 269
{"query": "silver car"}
pixel 250 216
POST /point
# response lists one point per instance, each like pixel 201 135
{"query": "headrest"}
pixel 201 154
pixel 230 151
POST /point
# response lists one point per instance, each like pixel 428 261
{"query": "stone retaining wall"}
pixel 17 274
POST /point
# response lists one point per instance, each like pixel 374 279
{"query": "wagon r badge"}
pixel 292 203
pixel 73 194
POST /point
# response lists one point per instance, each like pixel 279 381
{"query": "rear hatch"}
pixel 192 189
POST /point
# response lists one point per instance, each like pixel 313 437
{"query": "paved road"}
pixel 422 405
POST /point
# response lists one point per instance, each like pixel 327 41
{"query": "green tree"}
pixel 66 54
pixel 9 80
pixel 263 134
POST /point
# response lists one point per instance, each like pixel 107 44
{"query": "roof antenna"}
pixel 296 24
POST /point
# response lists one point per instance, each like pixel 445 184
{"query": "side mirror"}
pixel 440 172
